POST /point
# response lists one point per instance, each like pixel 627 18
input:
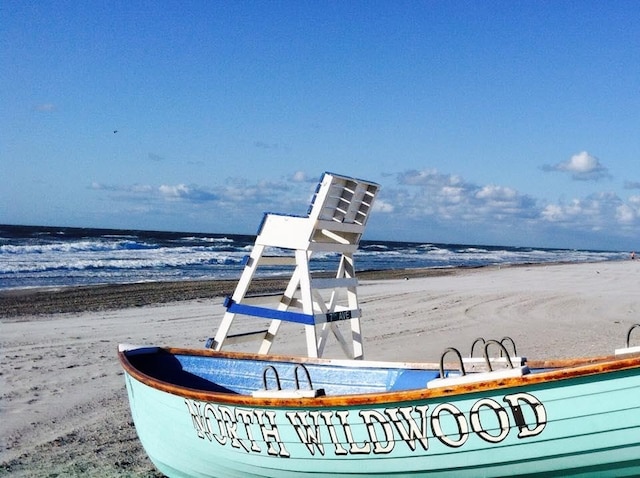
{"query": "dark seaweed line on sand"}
pixel 28 302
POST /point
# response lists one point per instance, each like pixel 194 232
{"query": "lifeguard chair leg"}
pixel 284 304
pixel 356 334
pixel 346 270
pixel 302 261
pixel 352 300
pixel 241 290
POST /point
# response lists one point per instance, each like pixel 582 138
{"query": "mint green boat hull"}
pixel 582 421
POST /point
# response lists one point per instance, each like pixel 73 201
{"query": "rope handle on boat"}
pixel 502 349
pixel 455 351
pixel 502 341
pixel 629 334
pixel 276 376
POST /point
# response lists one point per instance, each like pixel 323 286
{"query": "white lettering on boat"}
pixel 501 415
pixel 461 432
pixel 413 433
pixel 537 407
pixel 378 431
pixel 220 423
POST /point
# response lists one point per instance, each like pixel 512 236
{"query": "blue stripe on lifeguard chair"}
pixel 284 315
pixel 267 313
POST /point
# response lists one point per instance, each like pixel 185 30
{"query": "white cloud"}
pixel 497 193
pixel 582 166
pixel 452 194
pixel 194 194
pixel 582 163
pixel 451 198
pixel 146 192
pixel 450 201
pixel 141 188
pixel 174 192
pixel 553 213
pixel 382 206
pixel 629 213
pixel 625 214
pixel 131 188
pixel 430 178
pixel 597 212
pixel 300 177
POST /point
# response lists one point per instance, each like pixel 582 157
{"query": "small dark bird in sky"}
pixel 115 131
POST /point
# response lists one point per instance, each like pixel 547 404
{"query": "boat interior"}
pixel 270 377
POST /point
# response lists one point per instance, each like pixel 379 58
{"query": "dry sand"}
pixel 63 404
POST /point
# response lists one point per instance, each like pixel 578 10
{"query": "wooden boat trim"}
pixel 562 370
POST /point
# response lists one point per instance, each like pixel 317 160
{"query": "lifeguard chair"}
pixel 335 222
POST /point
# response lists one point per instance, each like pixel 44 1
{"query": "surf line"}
pixel 357 432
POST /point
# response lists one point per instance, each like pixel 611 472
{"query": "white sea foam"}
pixel 61 257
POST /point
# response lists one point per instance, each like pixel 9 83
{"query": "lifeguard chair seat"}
pixel 335 222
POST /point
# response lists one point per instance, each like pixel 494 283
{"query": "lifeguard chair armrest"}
pixel 270 213
pixel 289 232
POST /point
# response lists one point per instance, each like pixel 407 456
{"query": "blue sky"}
pixel 506 123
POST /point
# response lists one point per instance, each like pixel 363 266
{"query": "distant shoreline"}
pixel 16 303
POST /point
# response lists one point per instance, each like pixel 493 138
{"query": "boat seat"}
pixel 482 364
pixel 288 393
pixel 452 380
pixel 628 350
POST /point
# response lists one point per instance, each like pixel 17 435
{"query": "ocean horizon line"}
pixel 170 232
pixel 41 256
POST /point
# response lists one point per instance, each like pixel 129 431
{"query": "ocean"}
pixel 61 256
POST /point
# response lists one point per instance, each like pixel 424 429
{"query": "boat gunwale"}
pixel 562 369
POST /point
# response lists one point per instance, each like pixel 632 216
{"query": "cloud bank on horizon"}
pixel 421 199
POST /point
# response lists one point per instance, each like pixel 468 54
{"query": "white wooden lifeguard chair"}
pixel 335 222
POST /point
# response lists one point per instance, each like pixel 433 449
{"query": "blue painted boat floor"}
pixel 246 376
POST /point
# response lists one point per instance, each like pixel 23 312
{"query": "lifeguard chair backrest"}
pixel 341 208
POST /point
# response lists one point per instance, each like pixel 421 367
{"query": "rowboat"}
pixel 215 413
pixel 209 413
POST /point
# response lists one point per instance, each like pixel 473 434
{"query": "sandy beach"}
pixel 63 404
